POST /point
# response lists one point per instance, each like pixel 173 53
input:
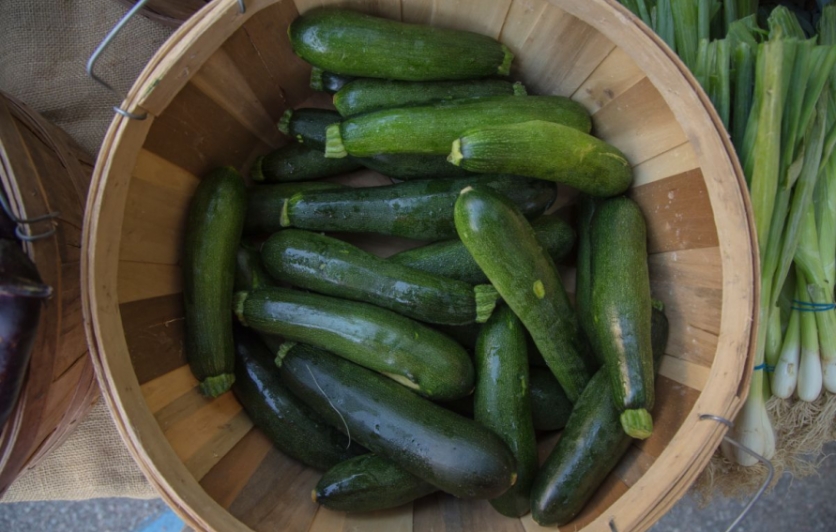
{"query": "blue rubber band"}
pixel 765 366
pixel 807 306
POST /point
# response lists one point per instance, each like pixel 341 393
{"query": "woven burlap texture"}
pixel 44 46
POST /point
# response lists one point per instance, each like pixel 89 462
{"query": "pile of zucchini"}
pixel 434 368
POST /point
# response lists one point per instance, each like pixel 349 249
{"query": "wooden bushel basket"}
pixel 42 171
pixel 213 93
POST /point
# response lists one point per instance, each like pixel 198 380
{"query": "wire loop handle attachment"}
pixel 4 204
pixel 91 63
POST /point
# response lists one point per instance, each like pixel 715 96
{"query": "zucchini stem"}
pixel 282 352
pixel 637 423
pixel 486 299
pixel 519 89
pixel 238 301
pixel 456 156
pixel 284 219
pixel 334 147
pixel 505 68
pixel 316 84
pixel 215 386
pixel 284 122
pixel 256 172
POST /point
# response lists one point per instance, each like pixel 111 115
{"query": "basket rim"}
pixel 185 51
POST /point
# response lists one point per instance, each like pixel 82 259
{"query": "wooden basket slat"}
pixel 468 15
pixel 390 9
pixel 165 389
pixel 277 496
pixel 638 123
pixel 228 477
pixel 73 344
pixel 224 84
pixel 611 78
pixel 673 403
pixel 69 242
pixel 697 346
pixel 684 372
pixel 634 464
pixel 543 66
pixel 688 303
pixel 158 171
pixel 155 221
pixel 327 520
pixel 186 134
pixel 678 213
pixel 268 35
pixel 63 195
pixel 141 280
pixel 519 23
pixel 612 489
pixel 677 160
pixel 224 439
pixel 181 407
pixel 154 335
pixel 698 267
pixel 190 434
pixel 398 519
pixel 61 393
pixel 441 511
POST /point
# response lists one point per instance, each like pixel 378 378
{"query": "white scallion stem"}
pixel 809 369
pixel 785 375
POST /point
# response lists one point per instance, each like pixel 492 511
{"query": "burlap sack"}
pixel 44 46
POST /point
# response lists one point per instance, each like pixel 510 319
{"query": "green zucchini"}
pixel 450 258
pixel 506 248
pixel 291 425
pixel 451 452
pixel 329 266
pixel 366 95
pixel 433 128
pixel 356 44
pixel 213 230
pixel 308 125
pixel 545 150
pixel 583 279
pixel 408 166
pixel 368 483
pixel 589 448
pixel 422 209
pixel 249 271
pixel 322 80
pixel 404 350
pixel 621 310
pixel 298 162
pixel 550 408
pixel 265 203
pixel 466 335
pixel 501 402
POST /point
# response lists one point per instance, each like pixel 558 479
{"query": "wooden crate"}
pixel 213 93
pixel 43 170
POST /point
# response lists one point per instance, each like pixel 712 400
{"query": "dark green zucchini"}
pixel 333 267
pixel 366 95
pixel 308 125
pixel 322 80
pixel 545 150
pixel 583 279
pixel 422 210
pixel 404 350
pixel 466 335
pixel 501 402
pixel 591 445
pixel 368 483
pixel 621 310
pixel 550 408
pixel 213 230
pixel 505 246
pixel 291 425
pixel 265 203
pixel 451 452
pixel 451 259
pixel 249 271
pixel 433 128
pixel 409 166
pixel 299 162
pixel 356 44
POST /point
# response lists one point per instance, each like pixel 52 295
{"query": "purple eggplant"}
pixel 21 296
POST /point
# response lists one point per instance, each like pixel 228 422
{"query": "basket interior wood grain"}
pixel 223 113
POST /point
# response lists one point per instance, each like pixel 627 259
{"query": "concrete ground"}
pixel 803 505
